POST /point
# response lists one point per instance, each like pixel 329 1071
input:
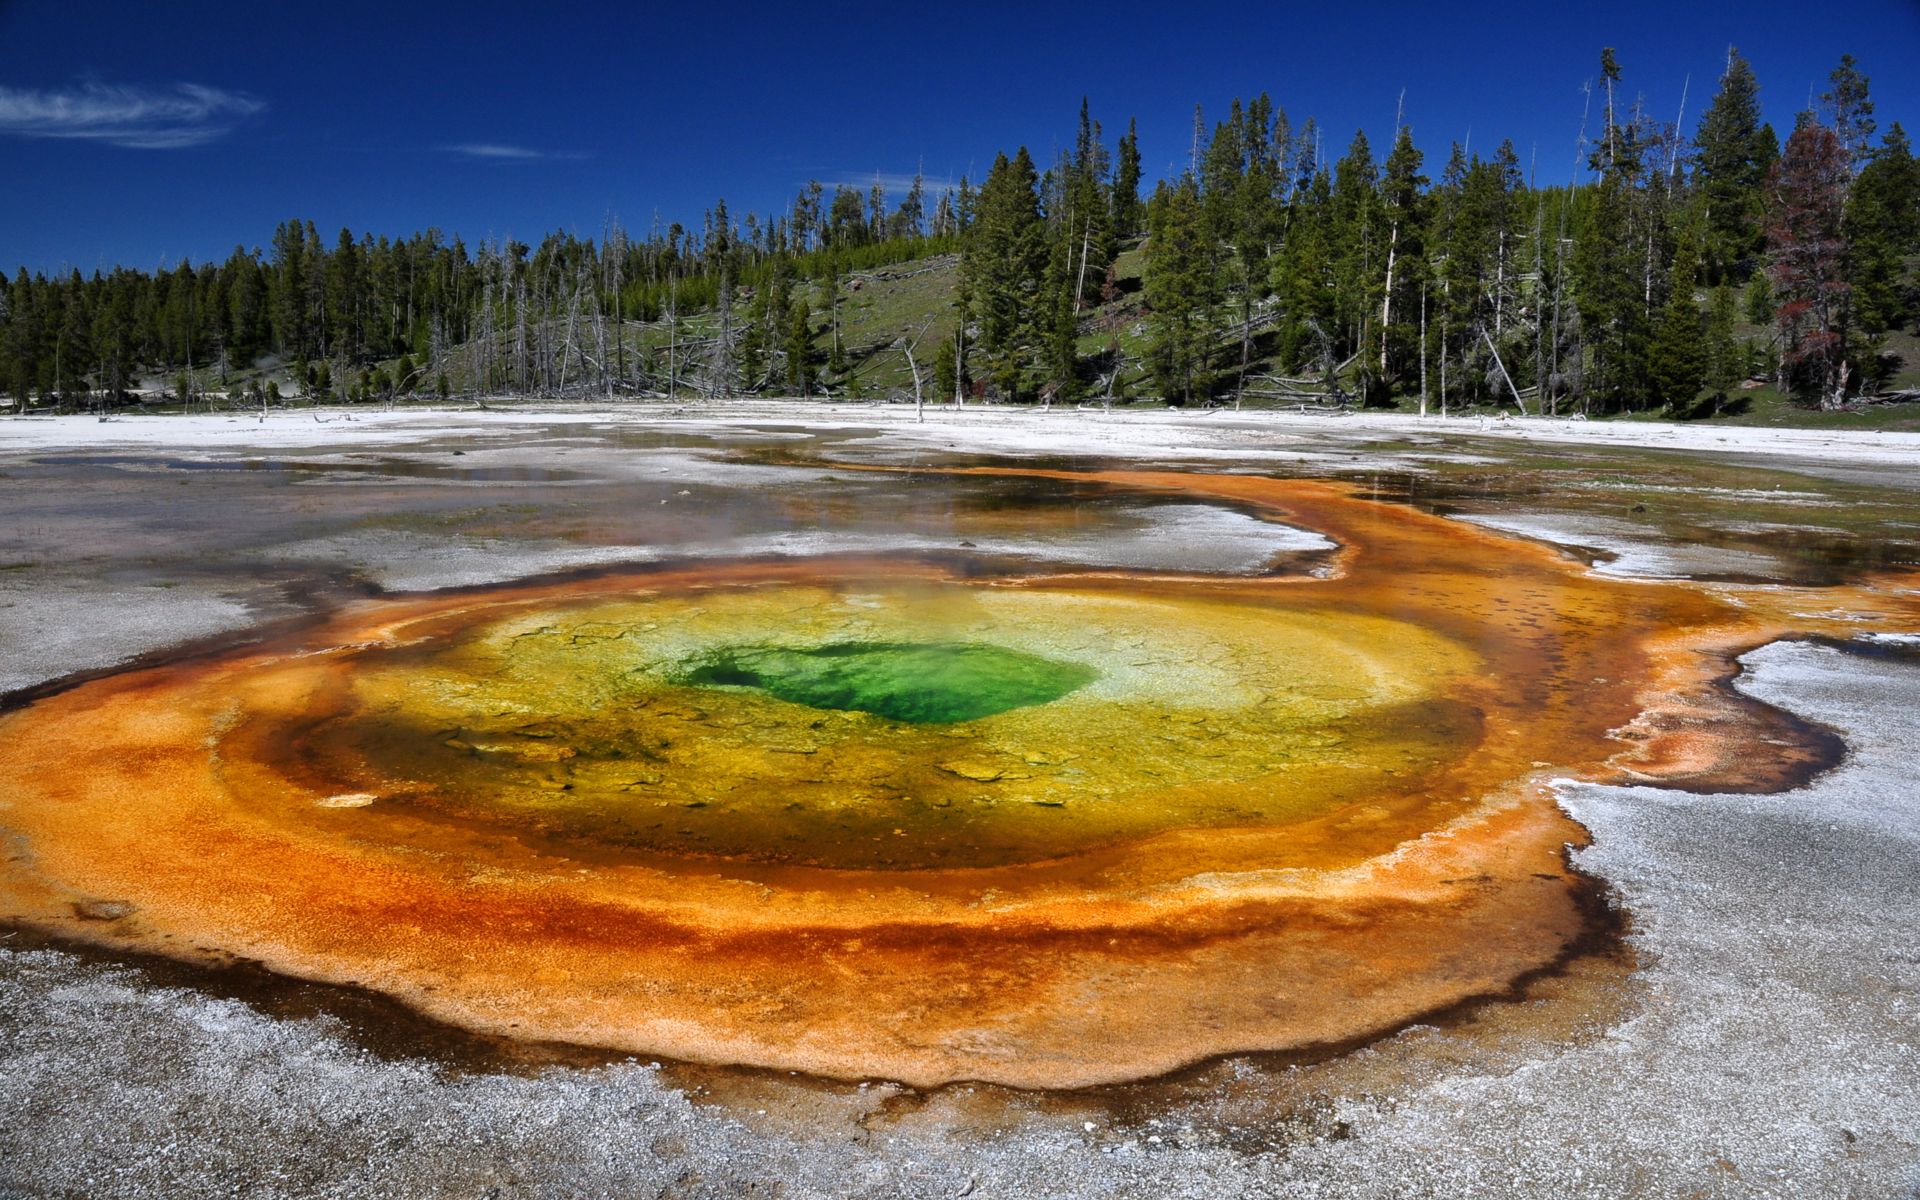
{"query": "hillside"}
pixel 884 309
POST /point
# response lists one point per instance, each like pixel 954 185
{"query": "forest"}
pixel 1678 267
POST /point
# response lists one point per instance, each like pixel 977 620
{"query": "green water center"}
pixel 920 683
pixel 952 727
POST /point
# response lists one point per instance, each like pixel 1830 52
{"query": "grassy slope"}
pixel 888 308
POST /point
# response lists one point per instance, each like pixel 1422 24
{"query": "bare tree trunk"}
pixel 1517 401
pixel 960 364
pixel 919 400
pixel 1500 287
pixel 1246 332
pixel 522 373
pixel 1386 301
pixel 1080 282
pixel 673 330
pixel 566 353
pixel 1539 324
pixel 619 304
pixel 1423 349
pixel 57 371
pixel 485 380
pixel 600 330
pixel 1559 288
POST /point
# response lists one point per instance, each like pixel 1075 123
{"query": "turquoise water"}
pixel 921 683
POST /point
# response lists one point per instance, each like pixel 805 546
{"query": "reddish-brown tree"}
pixel 1806 252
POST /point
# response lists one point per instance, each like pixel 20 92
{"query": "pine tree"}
pixel 1757 300
pixel 1726 362
pixel 751 349
pixel 1729 173
pixel 1357 246
pixel 1676 356
pixel 1849 111
pixel 1882 229
pixel 1613 252
pixel 1004 262
pixel 1403 211
pixel 1126 185
pixel 1062 322
pixel 799 349
pixel 1302 277
pixel 1182 291
pixel 343 291
pixel 946 371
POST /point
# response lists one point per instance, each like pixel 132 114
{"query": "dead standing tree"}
pixel 1806 252
pixel 909 346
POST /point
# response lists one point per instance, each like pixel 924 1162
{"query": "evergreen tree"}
pixel 344 285
pixel 1757 300
pixel 799 349
pixel 946 371
pixel 1882 229
pixel 73 343
pixel 1726 363
pixel 1849 111
pixel 1403 212
pixel 1004 260
pixel 846 219
pixel 1062 365
pixel 1357 248
pixel 1089 215
pixel 1730 171
pixel 1126 184
pixel 1676 357
pixel 910 220
pixel 1302 277
pixel 1182 291
pixel 1617 246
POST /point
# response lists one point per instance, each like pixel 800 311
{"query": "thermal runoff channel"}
pixel 900 819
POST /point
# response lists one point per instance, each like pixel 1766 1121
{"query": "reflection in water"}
pixel 1267 813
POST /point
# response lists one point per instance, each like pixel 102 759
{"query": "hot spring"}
pixel 920 817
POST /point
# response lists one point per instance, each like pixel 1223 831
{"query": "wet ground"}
pixel 1753 1034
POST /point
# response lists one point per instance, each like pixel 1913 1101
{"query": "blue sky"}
pixel 207 123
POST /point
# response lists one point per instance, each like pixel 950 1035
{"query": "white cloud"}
pixel 499 152
pixel 895 184
pixel 132 115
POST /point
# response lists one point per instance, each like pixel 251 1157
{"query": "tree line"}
pixel 1270 271
pixel 1267 271
pixel 363 317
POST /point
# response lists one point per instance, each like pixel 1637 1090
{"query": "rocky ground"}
pixel 1757 1035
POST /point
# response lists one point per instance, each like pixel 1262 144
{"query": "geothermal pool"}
pixel 923 818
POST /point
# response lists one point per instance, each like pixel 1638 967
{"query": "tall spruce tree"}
pixel 1615 249
pixel 1849 110
pixel 1403 202
pixel 1126 184
pixel 1726 361
pixel 1182 287
pixel 1302 278
pixel 1729 173
pixel 1676 357
pixel 1358 246
pixel 1004 259
pixel 1882 231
